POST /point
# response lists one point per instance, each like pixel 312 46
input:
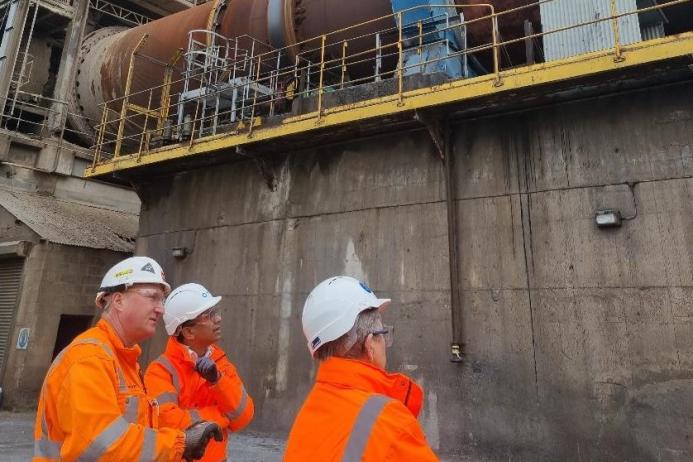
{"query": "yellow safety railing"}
pixel 261 88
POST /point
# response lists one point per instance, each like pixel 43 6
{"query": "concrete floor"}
pixel 17 442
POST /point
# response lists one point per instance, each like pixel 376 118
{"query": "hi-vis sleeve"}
pixel 235 402
pixel 164 386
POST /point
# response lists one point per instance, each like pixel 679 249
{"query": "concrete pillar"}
pixel 10 43
pixel 68 66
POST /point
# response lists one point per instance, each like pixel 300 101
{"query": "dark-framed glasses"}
pixel 387 333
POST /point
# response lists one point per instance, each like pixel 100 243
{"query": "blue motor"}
pixel 434 37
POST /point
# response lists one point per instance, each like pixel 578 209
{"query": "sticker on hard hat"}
pixel 205 295
pixel 315 342
pixel 124 273
pixel 365 287
pixel 149 267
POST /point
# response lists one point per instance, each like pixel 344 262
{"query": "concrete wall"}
pixel 57 280
pixel 579 340
pixel 12 229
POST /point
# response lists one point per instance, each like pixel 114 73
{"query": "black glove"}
pixel 207 368
pixel 196 438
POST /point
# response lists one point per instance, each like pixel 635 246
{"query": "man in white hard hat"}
pixel 194 379
pixel 93 405
pixel 356 411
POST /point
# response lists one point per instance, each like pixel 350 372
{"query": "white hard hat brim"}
pixel 383 303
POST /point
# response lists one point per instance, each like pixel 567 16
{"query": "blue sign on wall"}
pixel 23 338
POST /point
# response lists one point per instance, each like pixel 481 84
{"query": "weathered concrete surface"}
pixel 577 339
pixel 57 280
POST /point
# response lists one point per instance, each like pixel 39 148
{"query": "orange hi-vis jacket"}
pixel 358 412
pixel 185 397
pixel 93 406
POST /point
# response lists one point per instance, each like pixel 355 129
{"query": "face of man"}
pixel 139 309
pixel 205 329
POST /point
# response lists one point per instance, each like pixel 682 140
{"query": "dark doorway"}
pixel 71 325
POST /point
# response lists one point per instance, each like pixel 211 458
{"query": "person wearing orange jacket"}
pixel 93 405
pixel 194 379
pixel 356 411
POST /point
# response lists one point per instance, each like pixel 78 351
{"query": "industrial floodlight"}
pixel 608 218
pixel 179 252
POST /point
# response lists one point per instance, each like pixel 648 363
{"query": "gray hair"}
pixel 350 345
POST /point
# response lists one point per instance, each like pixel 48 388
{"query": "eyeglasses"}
pixel 156 298
pixel 386 332
pixel 211 313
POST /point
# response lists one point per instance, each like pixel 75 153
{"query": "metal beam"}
pixel 119 12
pixel 68 67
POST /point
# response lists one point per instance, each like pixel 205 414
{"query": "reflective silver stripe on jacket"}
pixel 194 416
pixel 361 432
pixel 132 408
pixel 47 449
pixel 109 435
pixel 163 360
pixel 147 454
pixel 167 397
pixel 44 447
pixel 233 415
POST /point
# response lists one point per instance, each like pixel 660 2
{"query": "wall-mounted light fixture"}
pixel 608 218
pixel 179 252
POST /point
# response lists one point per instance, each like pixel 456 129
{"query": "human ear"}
pixel 369 347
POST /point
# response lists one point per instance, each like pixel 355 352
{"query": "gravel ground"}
pixel 17 442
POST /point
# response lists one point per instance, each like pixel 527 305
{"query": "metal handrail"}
pixel 248 71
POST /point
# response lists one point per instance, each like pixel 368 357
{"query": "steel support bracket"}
pixel 434 125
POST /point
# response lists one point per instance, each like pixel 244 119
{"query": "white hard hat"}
pixel 332 307
pixel 133 270
pixel 185 303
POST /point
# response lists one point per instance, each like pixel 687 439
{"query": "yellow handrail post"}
pixel 194 122
pixel 99 137
pixel 166 91
pixel 344 68
pixel 252 111
pixel 126 94
pixel 322 75
pixel 496 61
pixel 400 67
pixel 145 134
pixel 617 33
pixel 419 24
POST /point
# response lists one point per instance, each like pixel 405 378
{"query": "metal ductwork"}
pixel 106 53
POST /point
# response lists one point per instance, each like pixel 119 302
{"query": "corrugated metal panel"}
pixel 584 39
pixel 652 31
pixel 10 279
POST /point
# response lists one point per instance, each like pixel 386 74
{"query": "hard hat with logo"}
pixel 185 303
pixel 332 307
pixel 133 270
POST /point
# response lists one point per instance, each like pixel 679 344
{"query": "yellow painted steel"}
pixel 580 66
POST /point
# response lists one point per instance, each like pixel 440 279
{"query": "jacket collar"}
pixel 351 373
pixel 181 352
pixel 130 353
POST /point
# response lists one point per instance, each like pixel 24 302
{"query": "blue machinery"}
pixel 431 33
